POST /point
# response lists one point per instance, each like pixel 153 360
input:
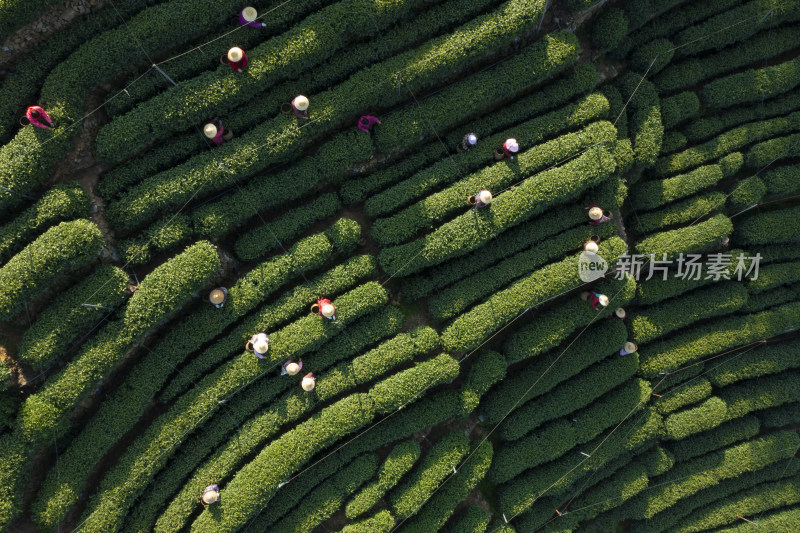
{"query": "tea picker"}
pixel 324 308
pixel 620 314
pixel 215 131
pixel 291 368
pixel 591 246
pixel 210 495
pixel 299 105
pixel 38 117
pixel 597 215
pixel 236 58
pixel 595 298
pixel 218 296
pixel 480 200
pixel 628 348
pixel 258 344
pixel 509 148
pixel 469 141
pixel 309 382
pixel 248 16
pixel 367 122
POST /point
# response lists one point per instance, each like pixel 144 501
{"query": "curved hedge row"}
pixel 569 396
pixel 686 479
pixel 399 461
pixel 686 394
pixel 231 439
pixel 763 393
pixel 687 210
pixel 473 229
pixel 540 61
pixel 265 238
pixel 24 162
pixel 276 462
pixel 63 248
pixel 769 227
pixel 646 128
pixel 678 108
pixel 437 510
pixel 164 290
pixel 320 504
pixel 655 193
pixel 407 498
pixel 781 181
pixel 665 520
pixel 714 337
pixel 730 141
pixel 304 45
pixel 753 85
pixel 587 350
pixel 578 82
pixel 59 203
pixel 61 322
pixel 473 327
pixel 690 239
pixel 562 435
pixel 509 242
pixel 702 417
pixel 725 434
pixel 751 502
pixel 473 519
pixel 162 236
pixel 719 31
pixel 431 210
pixel 560 475
pixel 721 299
pixel 457 298
pixel 487 369
pixel 767 152
pixel 536 130
pixel 174 187
pixel 692 71
pixel 380 522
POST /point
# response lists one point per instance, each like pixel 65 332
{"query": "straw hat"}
pixel 591 247
pixel 300 102
pixel 235 54
pixel 308 383
pixel 210 497
pixel 328 310
pixel 261 346
pixel 292 369
pixel 210 130
pixel 603 300
pixel 595 213
pixel 217 296
pixel 485 197
pixel 620 312
pixel 630 347
pixel 511 145
pixel 249 14
pixel 473 139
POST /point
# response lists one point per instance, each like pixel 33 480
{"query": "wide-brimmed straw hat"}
pixel 620 312
pixel 308 383
pixel 261 346
pixel 210 131
pixel 630 347
pixel 210 497
pixel 300 102
pixel 249 14
pixel 292 369
pixel 485 197
pixel 328 310
pixel 591 247
pixel 472 138
pixel 595 213
pixel 217 296
pixel 603 300
pixel 511 145
pixel 235 54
